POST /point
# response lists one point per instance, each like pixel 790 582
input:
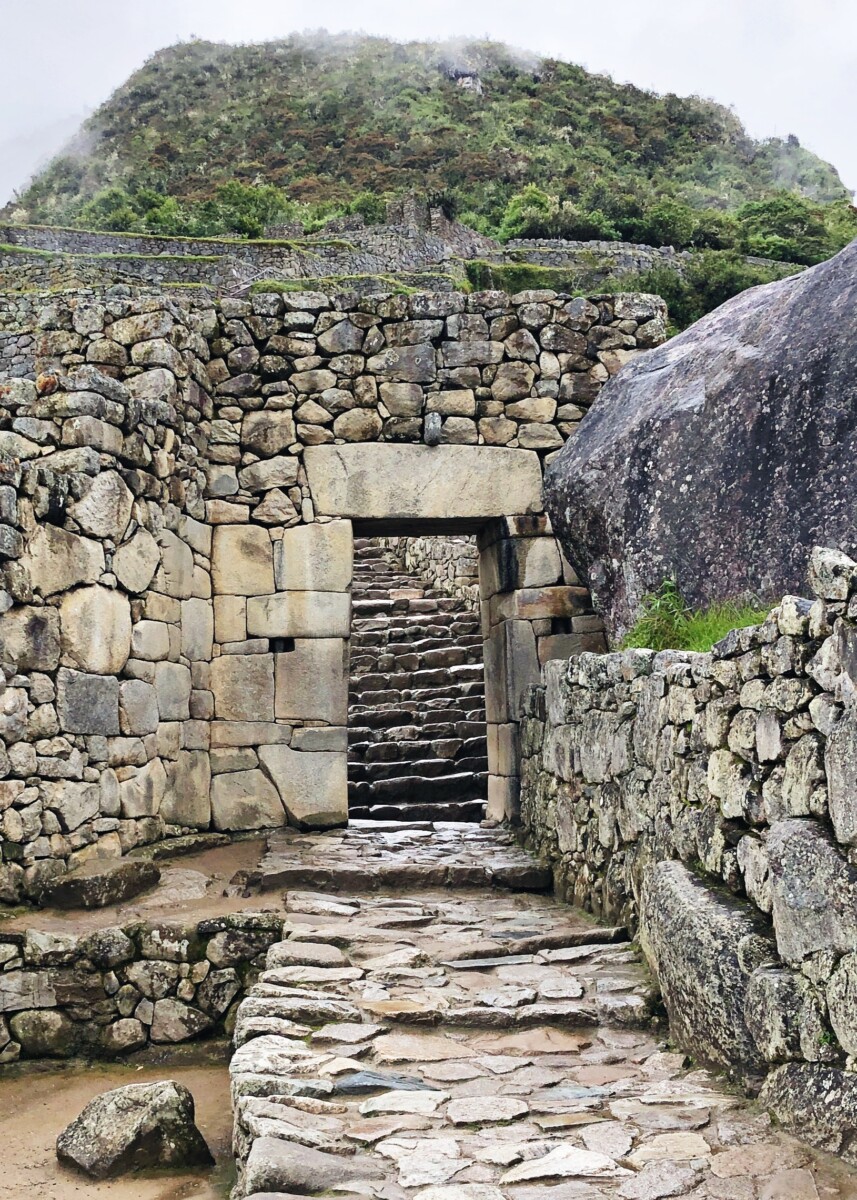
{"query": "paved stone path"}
pixel 438 1043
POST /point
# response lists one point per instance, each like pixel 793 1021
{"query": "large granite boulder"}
pixel 130 1128
pixel 722 456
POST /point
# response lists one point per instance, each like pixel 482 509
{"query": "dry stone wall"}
pixel 449 564
pixel 180 487
pixel 120 988
pixel 710 800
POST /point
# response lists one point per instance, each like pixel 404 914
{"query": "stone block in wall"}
pixel 567 645
pixel 95 625
pixel 329 738
pixel 230 618
pixel 268 433
pixel 57 560
pixel 503 746
pixel 87 703
pixel 243 687
pixel 511 668
pixel 279 472
pixel 403 364
pixel 312 681
pixel 503 797
pixel 403 399
pixel 150 640
pixel 813 890
pixel 73 803
pixel 186 799
pixel 104 510
pixel 141 795
pixel 315 558
pixel 400 482
pixel 135 561
pixel 511 563
pixel 300 615
pixel 245 800
pixel 816 1102
pixel 197 629
pixel 226 734
pixel 30 638
pixel 840 763
pixel 533 604
pixel 242 561
pixel 174 577
pixel 313 786
pixel 138 707
pixel 173 688
pixel 700 944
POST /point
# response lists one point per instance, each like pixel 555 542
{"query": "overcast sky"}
pixel 786 66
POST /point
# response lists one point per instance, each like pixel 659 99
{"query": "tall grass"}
pixel 667 622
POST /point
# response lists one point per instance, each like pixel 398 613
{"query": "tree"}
pixel 786 226
pixel 111 209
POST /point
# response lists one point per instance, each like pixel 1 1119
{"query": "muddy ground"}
pixel 39 1099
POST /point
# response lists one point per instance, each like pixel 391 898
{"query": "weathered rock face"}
pixel 723 456
pixel 142 1125
pixel 699 943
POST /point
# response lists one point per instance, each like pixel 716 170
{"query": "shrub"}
pixel 667 622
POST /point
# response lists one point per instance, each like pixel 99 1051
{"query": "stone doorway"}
pixel 417 741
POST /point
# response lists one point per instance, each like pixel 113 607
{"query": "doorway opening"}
pixel 417 747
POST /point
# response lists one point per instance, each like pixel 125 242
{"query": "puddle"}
pixel 38 1100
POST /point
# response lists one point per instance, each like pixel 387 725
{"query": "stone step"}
pixel 410 789
pixel 454 810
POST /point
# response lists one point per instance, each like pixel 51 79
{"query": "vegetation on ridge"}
pixel 212 139
pixel 668 623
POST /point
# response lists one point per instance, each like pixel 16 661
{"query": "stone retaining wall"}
pixel 180 484
pixel 450 564
pixel 113 991
pixel 710 800
pixel 56 257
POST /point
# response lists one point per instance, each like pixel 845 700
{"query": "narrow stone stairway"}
pixel 416 739
pixel 410 1041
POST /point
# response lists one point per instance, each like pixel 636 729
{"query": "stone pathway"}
pixel 416 738
pixel 387 854
pixel 411 1040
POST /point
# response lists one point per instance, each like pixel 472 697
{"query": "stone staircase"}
pixel 416 739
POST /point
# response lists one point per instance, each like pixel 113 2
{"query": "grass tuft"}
pixel 667 622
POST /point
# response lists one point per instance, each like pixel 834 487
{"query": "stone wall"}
pixel 47 256
pixel 449 564
pixel 709 800
pixel 180 488
pixel 117 989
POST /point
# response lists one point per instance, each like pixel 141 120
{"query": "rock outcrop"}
pixel 129 1128
pixel 723 456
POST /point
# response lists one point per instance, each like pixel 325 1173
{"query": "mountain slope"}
pixel 325 118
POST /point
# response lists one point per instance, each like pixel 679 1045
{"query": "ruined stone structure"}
pixel 709 801
pixel 182 485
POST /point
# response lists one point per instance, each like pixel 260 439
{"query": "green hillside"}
pixel 208 138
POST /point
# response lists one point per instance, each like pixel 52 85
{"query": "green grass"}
pixel 668 623
pixel 524 277
pixel 389 283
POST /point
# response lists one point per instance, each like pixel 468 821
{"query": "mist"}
pixel 786 66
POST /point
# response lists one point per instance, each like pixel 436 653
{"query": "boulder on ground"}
pixel 723 456
pixel 130 1128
